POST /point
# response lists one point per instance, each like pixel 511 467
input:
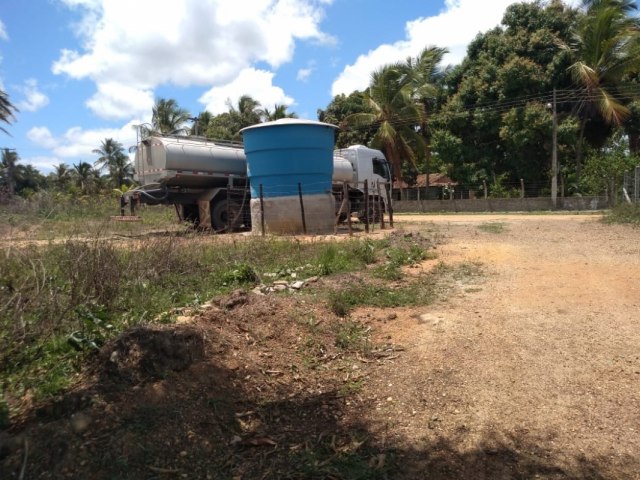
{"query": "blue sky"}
pixel 84 70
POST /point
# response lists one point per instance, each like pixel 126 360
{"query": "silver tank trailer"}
pixel 188 163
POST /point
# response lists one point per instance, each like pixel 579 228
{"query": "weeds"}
pixel 492 227
pixel 625 213
pixel 352 336
pixel 343 301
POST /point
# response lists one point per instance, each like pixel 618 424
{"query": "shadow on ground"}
pixel 185 402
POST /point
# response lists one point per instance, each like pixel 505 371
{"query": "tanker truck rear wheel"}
pixel 223 219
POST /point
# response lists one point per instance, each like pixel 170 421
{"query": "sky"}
pixel 81 71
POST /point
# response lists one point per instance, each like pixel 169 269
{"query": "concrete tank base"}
pixel 282 215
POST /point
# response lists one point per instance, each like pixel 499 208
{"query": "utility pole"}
pixel 554 155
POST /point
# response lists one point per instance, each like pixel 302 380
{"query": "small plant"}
pixel 241 274
pixel 492 227
pixel 352 336
pixel 388 271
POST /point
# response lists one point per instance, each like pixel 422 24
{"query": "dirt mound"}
pixel 257 388
pixel 150 353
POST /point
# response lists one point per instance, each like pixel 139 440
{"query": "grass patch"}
pixel 62 300
pixel 624 213
pixel 418 292
pixel 492 227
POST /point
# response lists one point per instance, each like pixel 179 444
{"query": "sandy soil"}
pixel 537 365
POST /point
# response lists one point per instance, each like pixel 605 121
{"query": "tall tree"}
pixel 426 75
pixel 606 46
pixel 394 115
pixel 84 176
pixel 340 108
pixel 279 111
pixel 110 150
pixel 112 157
pixel 8 170
pixel 7 110
pixel 247 112
pixel 60 176
pixel 167 117
pixel 201 123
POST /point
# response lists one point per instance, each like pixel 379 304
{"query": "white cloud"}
pixel 145 43
pixel 304 74
pixel 43 163
pixel 114 101
pixel 34 98
pixel 3 32
pixel 453 28
pixel 257 83
pixel 77 143
pixel 42 137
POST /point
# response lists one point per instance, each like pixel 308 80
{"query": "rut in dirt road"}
pixel 533 370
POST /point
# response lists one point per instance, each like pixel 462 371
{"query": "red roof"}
pixel 435 180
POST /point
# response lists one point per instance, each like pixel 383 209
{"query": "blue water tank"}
pixel 286 152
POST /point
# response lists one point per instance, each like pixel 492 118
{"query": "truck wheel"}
pixel 223 219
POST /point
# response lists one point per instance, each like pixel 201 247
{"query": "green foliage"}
pixel 344 300
pixel 240 274
pixel 352 336
pixel 500 137
pixel 606 167
pixel 625 213
pixel 338 110
pixel 492 227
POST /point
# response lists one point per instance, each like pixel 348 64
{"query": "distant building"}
pixel 439 186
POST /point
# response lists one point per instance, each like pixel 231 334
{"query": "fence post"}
pixel 346 195
pixel 262 210
pixel 387 187
pixel 484 188
pixel 380 206
pixel 636 182
pixel 304 221
pixel 522 188
pixel 366 206
pixel 229 207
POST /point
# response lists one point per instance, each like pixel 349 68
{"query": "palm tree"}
pixel 606 45
pixel 200 123
pixel 110 150
pixel 425 73
pixel 7 110
pixel 247 113
pixel 121 171
pixel 113 157
pixel 279 111
pixel 167 117
pixel 61 175
pixel 8 170
pixel 394 114
pixel 84 175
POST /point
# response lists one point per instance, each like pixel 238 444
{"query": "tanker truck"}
pixel 206 180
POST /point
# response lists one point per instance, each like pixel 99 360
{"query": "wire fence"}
pixel 631 186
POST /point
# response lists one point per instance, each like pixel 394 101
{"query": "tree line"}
pixel 488 120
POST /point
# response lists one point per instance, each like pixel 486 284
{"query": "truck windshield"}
pixel 380 168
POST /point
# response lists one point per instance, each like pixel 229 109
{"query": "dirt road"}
pixel 533 369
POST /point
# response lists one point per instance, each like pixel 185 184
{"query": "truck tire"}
pixel 219 219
